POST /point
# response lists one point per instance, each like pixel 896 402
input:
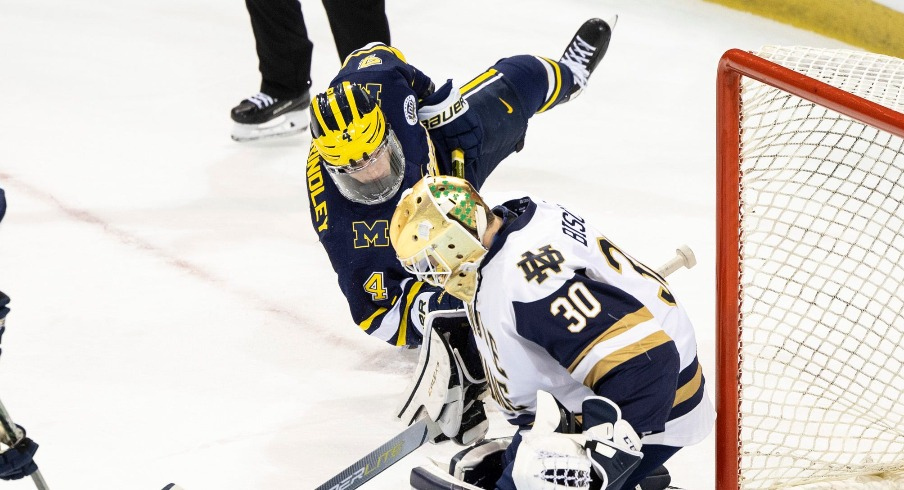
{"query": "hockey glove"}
pixel 4 301
pixel 445 114
pixel 4 308
pixel 547 459
pixel 444 387
pixel 18 461
pixel 612 445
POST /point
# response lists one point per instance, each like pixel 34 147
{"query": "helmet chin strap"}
pixel 481 223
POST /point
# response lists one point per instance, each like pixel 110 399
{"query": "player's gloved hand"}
pixel 2 204
pixel 612 444
pixel 4 309
pixel 448 384
pixel 445 113
pixel 18 461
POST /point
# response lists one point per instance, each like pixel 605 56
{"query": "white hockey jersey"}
pixel 562 309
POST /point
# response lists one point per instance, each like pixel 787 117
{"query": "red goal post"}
pixel 737 465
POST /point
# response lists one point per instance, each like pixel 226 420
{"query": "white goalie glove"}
pixel 448 382
pixel 551 460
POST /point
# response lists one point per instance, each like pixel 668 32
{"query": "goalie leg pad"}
pixel 431 477
pixel 444 388
pixel 475 468
pixel 482 464
pixel 658 479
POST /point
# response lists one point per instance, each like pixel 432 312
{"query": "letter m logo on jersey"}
pixel 371 235
pixel 534 265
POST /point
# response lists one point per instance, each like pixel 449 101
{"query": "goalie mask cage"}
pixel 810 247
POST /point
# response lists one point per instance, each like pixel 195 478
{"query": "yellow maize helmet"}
pixel 350 133
pixel 436 231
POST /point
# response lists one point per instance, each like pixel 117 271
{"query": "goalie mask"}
pixel 436 231
pixel 359 150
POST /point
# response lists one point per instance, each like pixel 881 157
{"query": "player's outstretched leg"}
pixel 586 49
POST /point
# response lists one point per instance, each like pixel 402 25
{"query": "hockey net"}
pixel 810 266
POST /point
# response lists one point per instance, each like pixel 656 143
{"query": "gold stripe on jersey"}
pixel 690 388
pixel 477 81
pixel 557 84
pixel 403 324
pixel 380 47
pixel 612 361
pixel 365 325
pixel 626 323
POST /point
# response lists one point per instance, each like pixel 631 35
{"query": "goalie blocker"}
pixel 449 383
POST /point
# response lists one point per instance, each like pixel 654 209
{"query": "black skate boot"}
pixel 262 116
pixel 586 49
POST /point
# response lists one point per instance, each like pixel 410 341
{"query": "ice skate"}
pixel 261 116
pixel 586 49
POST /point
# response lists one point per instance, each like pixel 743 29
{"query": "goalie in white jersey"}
pixel 556 307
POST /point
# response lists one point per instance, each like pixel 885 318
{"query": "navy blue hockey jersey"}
pixel 380 293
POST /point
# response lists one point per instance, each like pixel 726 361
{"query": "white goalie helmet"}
pixel 436 231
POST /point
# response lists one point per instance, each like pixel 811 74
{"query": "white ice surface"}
pixel 174 317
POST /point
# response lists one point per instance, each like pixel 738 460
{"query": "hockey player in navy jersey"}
pixel 566 323
pixel 382 125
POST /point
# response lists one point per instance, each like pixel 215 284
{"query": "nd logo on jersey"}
pixel 534 265
pixel 374 234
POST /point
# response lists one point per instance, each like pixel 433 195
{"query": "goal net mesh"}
pixel 822 280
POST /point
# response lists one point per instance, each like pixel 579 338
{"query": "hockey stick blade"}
pixel 684 257
pixel 381 458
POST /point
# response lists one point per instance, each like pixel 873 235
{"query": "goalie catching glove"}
pixel 547 459
pixel 449 381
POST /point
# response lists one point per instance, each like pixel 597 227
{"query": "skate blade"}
pixel 284 125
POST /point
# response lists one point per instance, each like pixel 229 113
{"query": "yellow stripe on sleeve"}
pixel 365 325
pixel 478 80
pixel 403 324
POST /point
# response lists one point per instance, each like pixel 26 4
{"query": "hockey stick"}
pixel 381 458
pixel 10 434
pixel 684 257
